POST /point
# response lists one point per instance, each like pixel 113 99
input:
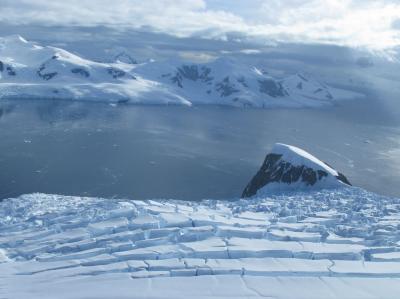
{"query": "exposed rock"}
pixel 242 81
pixel 225 87
pixel 288 167
pixel 44 75
pixel 125 58
pixel 272 88
pixel 10 71
pixel 192 73
pixel 115 73
pixel 80 71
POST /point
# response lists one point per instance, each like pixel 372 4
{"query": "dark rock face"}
pixel 192 73
pixel 341 177
pixel 45 76
pixel 177 79
pixel 1 66
pixel 10 71
pixel 242 81
pixel 226 88
pixel 272 88
pixel 116 73
pixel 277 170
pixel 124 57
pixel 80 71
pixel 299 85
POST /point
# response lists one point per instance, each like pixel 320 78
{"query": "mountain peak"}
pixel 289 168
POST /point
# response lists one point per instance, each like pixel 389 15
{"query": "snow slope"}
pixel 334 243
pixel 29 70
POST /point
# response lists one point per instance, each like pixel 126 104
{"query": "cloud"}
pixel 396 24
pixel 357 23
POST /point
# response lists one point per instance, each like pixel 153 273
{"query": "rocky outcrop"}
pixel 125 58
pixel 80 71
pixel 45 75
pixel 191 73
pixel 288 167
pixel 226 88
pixel 272 88
pixel 10 71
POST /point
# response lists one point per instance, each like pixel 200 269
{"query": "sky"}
pixel 354 23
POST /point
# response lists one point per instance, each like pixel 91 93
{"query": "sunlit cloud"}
pixel 356 23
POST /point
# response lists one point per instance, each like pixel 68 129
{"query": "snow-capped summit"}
pixel 289 168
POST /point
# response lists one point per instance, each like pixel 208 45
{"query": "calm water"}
pixel 141 152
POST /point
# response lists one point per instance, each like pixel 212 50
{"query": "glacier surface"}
pixel 332 243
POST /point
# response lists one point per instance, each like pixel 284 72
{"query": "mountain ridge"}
pixel 28 69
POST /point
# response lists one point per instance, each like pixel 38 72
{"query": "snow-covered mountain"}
pixel 228 82
pixel 28 70
pixel 34 71
pixel 290 168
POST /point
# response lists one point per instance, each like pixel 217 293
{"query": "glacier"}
pixel 30 70
pixel 328 243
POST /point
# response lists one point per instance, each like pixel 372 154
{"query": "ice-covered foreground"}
pixel 30 70
pixel 341 243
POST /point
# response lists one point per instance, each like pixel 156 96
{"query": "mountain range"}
pixel 30 70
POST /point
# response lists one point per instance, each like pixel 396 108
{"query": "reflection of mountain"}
pixel 30 70
pixel 6 109
pixel 54 111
